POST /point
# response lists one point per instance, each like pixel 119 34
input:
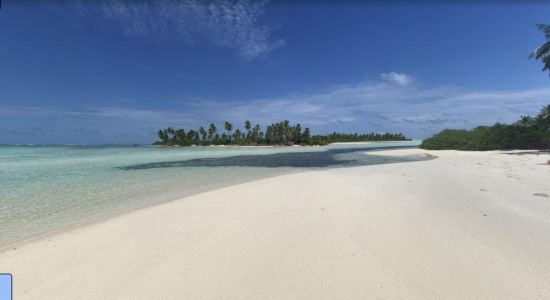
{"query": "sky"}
pixel 102 72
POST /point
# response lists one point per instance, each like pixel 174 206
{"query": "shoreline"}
pixel 166 184
pixel 91 221
pixel 474 224
pixel 121 212
pixel 284 146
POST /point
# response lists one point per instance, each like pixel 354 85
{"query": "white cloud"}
pixel 397 78
pixel 232 24
pixel 108 113
pixel 415 110
pixel 378 106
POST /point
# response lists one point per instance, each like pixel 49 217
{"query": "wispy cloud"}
pixel 416 110
pixel 398 78
pixel 232 24
pixel 107 113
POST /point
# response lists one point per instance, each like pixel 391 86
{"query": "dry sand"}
pixel 462 226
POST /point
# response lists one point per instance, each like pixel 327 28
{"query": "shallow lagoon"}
pixel 45 188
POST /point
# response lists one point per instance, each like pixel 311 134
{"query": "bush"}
pixel 528 133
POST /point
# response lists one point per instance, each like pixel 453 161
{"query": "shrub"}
pixel 528 133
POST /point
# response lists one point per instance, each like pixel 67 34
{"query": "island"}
pixel 279 134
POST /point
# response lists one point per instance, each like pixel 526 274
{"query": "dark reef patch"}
pixel 331 158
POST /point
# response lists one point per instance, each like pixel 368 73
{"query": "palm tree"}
pixel 544 115
pixel 297 134
pixel 203 134
pixel 256 134
pixel 211 131
pixel 237 136
pixel 269 134
pixel 306 136
pixel 228 127
pixel 170 131
pixel 286 131
pixel 524 121
pixel 180 137
pixel 247 126
pixel 162 136
pixel 542 53
pixel 192 136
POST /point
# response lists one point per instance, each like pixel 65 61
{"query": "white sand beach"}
pixel 465 225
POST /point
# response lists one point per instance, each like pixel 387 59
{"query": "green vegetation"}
pixel 527 133
pixel 281 133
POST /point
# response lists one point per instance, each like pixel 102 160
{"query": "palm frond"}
pixel 545 28
pixel 542 53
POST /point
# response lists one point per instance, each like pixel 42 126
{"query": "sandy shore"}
pixel 462 226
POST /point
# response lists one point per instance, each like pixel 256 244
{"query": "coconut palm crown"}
pixel 542 53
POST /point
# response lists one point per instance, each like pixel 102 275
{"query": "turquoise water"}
pixel 45 188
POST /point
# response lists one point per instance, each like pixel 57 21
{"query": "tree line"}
pixel 526 133
pixel 281 133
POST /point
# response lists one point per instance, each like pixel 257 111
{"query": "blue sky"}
pixel 116 71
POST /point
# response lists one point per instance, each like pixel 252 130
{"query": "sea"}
pixel 49 188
